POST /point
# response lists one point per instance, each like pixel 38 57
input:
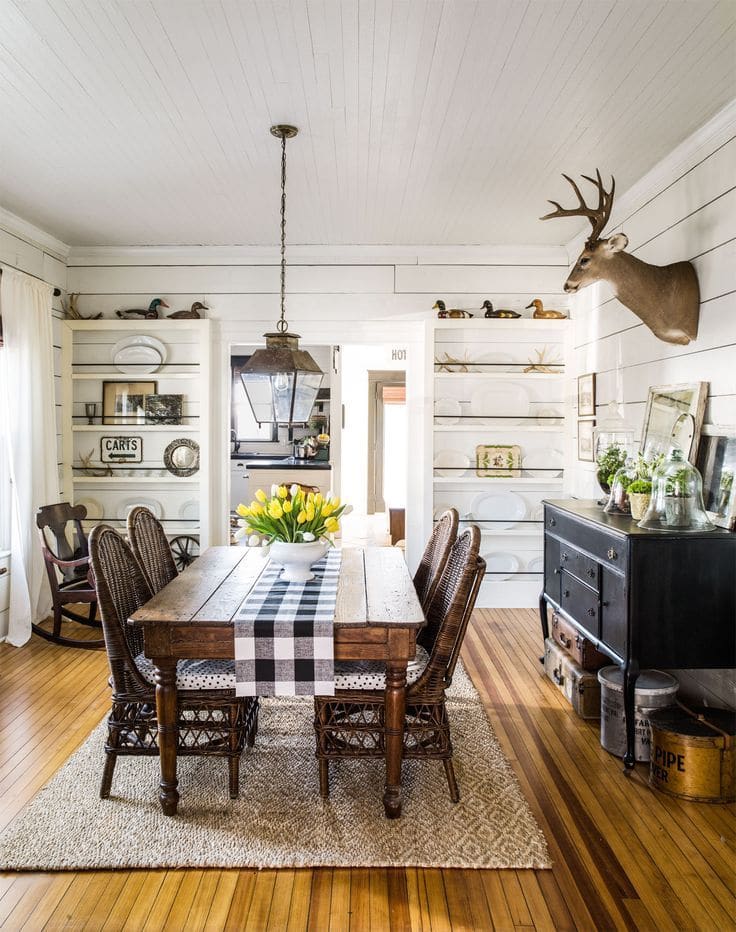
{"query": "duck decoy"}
pixel 135 313
pixel 504 314
pixel 541 314
pixel 442 311
pixel 191 314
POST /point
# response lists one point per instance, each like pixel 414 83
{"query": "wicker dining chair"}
pixel 151 548
pixel 351 723
pixel 435 556
pixel 212 721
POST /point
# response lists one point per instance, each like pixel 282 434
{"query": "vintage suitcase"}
pixel 580 688
pixel 581 650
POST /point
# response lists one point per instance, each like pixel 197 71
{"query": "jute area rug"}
pixel 280 820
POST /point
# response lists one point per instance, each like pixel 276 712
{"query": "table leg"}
pixel 394 735
pixel 168 731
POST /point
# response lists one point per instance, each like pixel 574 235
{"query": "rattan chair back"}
pixel 121 590
pixel 151 548
pixel 434 558
pixel 449 612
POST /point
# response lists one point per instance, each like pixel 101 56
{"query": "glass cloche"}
pixel 618 499
pixel 677 497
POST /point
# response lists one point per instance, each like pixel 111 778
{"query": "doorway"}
pixel 387 449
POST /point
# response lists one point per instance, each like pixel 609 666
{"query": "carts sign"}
pixel 121 449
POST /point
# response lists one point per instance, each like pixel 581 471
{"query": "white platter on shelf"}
pixel 495 404
pixel 189 510
pixel 537 512
pixel 548 417
pixel 502 362
pixel 500 566
pixel 502 507
pixel 138 354
pixel 451 463
pixel 554 466
pixel 94 509
pixel 448 411
pixel 151 504
pixel 535 565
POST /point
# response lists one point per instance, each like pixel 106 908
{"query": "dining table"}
pixel 377 617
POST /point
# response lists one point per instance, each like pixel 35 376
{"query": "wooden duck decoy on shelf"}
pixel 541 314
pixel 135 313
pixel 191 314
pixel 505 314
pixel 442 311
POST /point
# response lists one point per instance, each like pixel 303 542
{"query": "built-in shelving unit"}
pixel 87 351
pixel 482 396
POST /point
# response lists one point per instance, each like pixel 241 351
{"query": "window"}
pixel 242 422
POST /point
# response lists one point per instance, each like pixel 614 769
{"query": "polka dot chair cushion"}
pixel 371 674
pixel 195 674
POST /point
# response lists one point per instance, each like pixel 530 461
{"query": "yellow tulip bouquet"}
pixel 290 515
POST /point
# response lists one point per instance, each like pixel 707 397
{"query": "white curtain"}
pixel 29 427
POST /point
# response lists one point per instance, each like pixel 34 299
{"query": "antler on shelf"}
pixel 598 216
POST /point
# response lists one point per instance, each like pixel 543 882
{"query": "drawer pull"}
pixel 566 593
pixel 591 572
pixel 557 571
pixel 552 522
pixel 591 612
pixel 611 554
pixel 564 556
pixel 3 570
pixel 557 676
pixel 564 640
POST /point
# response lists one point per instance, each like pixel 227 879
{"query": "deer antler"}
pixel 598 216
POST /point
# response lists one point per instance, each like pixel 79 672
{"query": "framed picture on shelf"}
pixel 585 440
pixel 586 395
pixel 717 465
pixel 123 402
pixel 163 409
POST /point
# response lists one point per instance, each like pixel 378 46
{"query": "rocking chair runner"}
pixel 70 559
pixel 351 723
pixel 212 721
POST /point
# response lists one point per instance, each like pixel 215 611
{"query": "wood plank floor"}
pixel 625 857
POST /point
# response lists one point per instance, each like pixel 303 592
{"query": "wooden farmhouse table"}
pixel 377 617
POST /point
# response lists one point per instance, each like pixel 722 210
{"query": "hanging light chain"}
pixel 282 326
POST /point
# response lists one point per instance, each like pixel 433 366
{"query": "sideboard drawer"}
pixel 613 612
pixel 580 603
pixel 607 547
pixel 579 565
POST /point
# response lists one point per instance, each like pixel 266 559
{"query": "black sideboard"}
pixel 644 598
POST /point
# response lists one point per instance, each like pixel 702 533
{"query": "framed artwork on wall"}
pixel 123 402
pixel 586 395
pixel 585 440
pixel 717 465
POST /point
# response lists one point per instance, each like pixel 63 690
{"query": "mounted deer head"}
pixel 665 297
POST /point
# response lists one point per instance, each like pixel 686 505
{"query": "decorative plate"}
pixel 553 470
pixel 494 362
pixel 497 462
pixel 181 457
pixel 451 463
pixel 151 504
pixel 500 566
pixel 139 354
pixel 498 403
pixel 535 565
pixel 94 508
pixel 447 411
pixel 548 417
pixel 504 509
pixel 189 511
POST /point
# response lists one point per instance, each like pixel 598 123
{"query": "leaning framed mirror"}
pixel 674 417
pixel 717 465
pixel 181 457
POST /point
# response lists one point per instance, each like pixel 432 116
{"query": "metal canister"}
pixel 694 753
pixel 654 690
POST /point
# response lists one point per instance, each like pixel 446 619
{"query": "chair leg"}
pixel 110 761
pixel 57 619
pixel 233 760
pixel 234 768
pixel 451 781
pixel 324 778
pixel 92 612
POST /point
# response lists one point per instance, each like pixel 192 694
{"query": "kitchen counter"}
pixel 278 462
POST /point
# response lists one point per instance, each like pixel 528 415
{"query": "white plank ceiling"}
pixel 420 121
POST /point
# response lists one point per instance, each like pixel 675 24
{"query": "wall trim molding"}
pixel 700 144
pixel 453 254
pixel 33 235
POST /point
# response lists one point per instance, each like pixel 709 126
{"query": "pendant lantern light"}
pixel 282 381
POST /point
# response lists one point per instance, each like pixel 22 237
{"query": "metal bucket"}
pixel 654 690
pixel 693 753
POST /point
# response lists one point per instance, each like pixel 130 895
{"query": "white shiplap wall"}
pixel 684 210
pixel 353 295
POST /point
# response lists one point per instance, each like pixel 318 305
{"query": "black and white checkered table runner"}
pixel 283 634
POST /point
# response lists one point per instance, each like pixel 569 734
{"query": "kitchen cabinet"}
pixel 646 599
pixel 498 435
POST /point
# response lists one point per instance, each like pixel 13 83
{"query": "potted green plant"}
pixel 608 463
pixel 678 495
pixel 640 494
